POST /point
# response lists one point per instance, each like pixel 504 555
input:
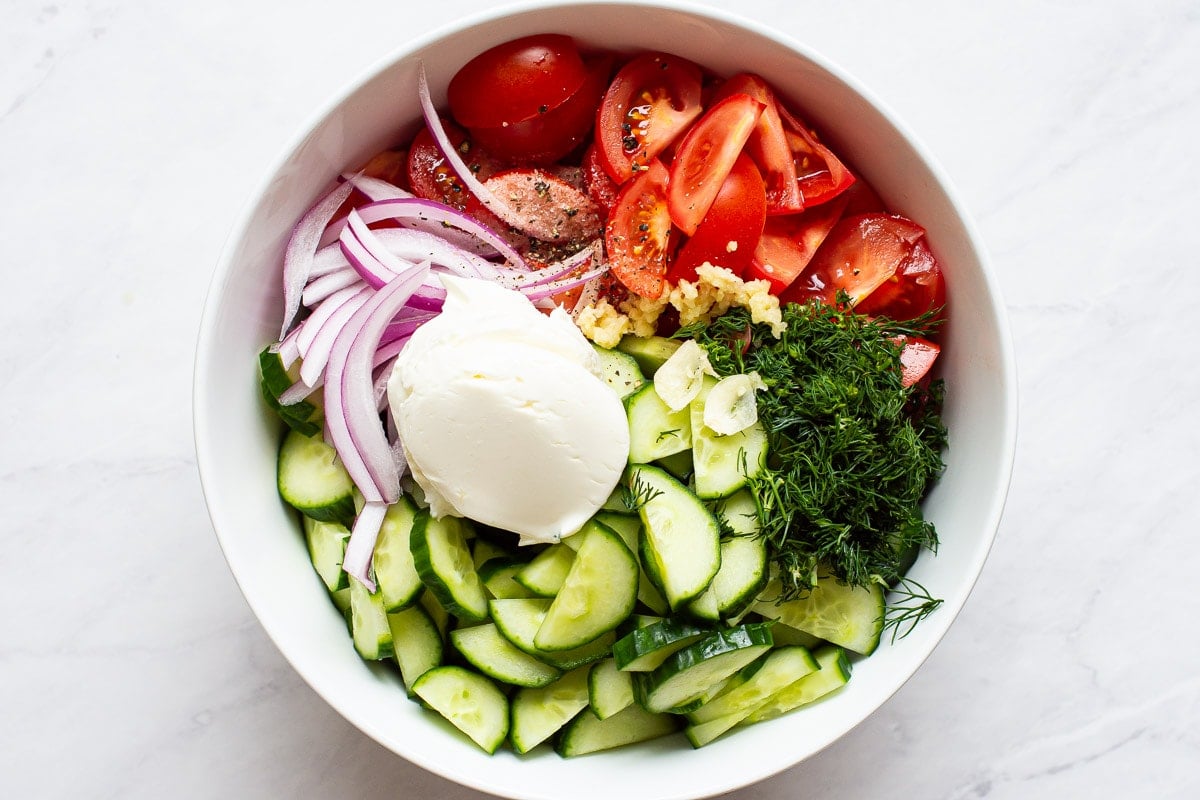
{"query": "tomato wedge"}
pixel 600 186
pixel 514 81
pixel 638 234
pixel 548 136
pixel 649 103
pixel 820 175
pixel 768 144
pixel 916 359
pixel 915 289
pixel 729 233
pixel 860 253
pixel 705 157
pixel 788 244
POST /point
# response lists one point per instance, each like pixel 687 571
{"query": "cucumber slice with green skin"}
pixel 743 573
pixel 436 612
pixel 681 543
pixel 484 550
pixel 589 734
pixel 704 607
pixel 723 463
pixel 615 504
pixel 470 701
pixel 599 593
pixel 313 481
pixel 786 635
pixel 695 703
pixel 369 623
pixel 621 371
pixel 833 674
pixel 850 616
pixel 496 657
pixel 537 714
pixel 650 352
pixel 395 572
pixel 629 528
pixel 679 464
pixel 303 417
pixel 443 560
pixel 645 648
pixel 545 575
pixel 416 643
pixel 688 673
pixel 655 431
pixel 341 601
pixel 499 577
pixel 326 549
pixel 518 620
pixel 781 667
pixel 610 690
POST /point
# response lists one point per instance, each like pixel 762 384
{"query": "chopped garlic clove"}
pixel 730 407
pixel 679 380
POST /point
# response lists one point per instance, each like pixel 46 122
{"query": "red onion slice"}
pixel 563 285
pixel 374 263
pixel 376 188
pixel 301 248
pixel 328 285
pixel 361 547
pixel 327 259
pixel 317 357
pixel 288 349
pixel 413 245
pixel 558 270
pixel 351 421
pixel 442 220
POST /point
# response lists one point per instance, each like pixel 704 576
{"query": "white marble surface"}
pixel 131 134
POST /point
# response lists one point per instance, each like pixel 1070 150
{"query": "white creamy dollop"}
pixel 504 416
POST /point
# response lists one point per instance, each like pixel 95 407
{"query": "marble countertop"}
pixel 132 133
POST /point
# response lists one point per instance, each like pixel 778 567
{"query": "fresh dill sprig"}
pixel 915 603
pixel 638 493
pixel 851 451
pixel 665 434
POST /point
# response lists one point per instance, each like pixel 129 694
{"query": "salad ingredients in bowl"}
pixel 775 405
pixel 692 520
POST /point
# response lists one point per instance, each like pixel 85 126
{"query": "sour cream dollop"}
pixel 504 416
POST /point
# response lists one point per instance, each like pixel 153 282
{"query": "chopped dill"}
pixel 637 494
pixel 915 604
pixel 851 451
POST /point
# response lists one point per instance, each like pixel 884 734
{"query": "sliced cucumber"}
pixel 645 648
pixel 833 674
pixel 610 689
pixel 723 463
pixel 629 528
pixel 679 464
pixel 690 672
pixel 369 623
pixel 313 481
pixel 598 594
pixel 650 352
pixel 655 431
pixel 416 642
pixel 436 611
pixel 326 548
pixel 484 550
pixel 621 371
pixel 681 540
pixel 850 616
pixel 443 560
pixel 496 657
pixel 519 619
pixel 786 635
pixel 589 734
pixel 499 577
pixel 781 667
pixel 303 417
pixel 471 702
pixel 395 571
pixel 544 575
pixel 704 607
pixel 743 573
pixel 537 714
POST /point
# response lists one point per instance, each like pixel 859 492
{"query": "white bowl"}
pixel 237 438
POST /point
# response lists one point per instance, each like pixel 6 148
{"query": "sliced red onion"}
pixel 403 326
pixel 413 245
pixel 362 250
pixel 351 421
pixel 394 338
pixel 436 218
pixel 563 284
pixel 302 247
pixel 308 330
pixel 317 357
pixel 557 270
pixel 379 382
pixel 376 188
pixel 327 259
pixel 288 349
pixel 327 285
pixel 361 547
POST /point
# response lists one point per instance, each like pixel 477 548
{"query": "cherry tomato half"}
pixel 916 288
pixel 729 233
pixel 705 156
pixel 649 103
pixel 638 234
pixel 514 81
pixel 788 244
pixel 916 359
pixel 430 177
pixel 768 144
pixel 547 137
pixel 860 253
pixel 820 174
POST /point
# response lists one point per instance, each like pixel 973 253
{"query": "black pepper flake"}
pixel 542 109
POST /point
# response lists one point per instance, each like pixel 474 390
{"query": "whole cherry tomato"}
pixel 516 80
